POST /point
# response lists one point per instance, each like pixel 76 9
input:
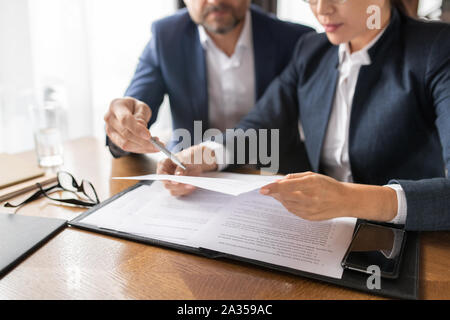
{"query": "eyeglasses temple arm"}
pixel 33 197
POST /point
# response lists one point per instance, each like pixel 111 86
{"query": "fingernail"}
pixel 264 191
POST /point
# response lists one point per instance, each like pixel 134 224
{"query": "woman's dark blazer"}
pixel 400 121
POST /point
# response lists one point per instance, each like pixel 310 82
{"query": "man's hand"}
pixel 126 125
pixel 316 197
pixel 206 162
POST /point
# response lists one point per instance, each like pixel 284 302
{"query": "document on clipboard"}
pixel 248 226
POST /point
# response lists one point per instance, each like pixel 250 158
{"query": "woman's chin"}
pixel 335 39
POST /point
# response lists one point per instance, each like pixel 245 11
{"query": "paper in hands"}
pixel 232 187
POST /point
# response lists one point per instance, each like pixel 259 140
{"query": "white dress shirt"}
pixel 335 158
pixel 231 80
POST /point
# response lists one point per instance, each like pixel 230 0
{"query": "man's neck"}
pixel 227 42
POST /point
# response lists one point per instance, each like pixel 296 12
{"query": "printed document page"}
pixel 249 225
pixel 151 212
pixel 260 228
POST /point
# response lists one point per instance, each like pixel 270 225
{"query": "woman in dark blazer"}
pixel 375 109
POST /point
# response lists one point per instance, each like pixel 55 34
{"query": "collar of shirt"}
pixel 357 58
pixel 245 41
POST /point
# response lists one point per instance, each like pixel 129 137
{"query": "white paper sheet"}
pixel 151 211
pixel 260 228
pixel 231 186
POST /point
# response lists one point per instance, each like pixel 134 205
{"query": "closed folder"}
pixel 20 236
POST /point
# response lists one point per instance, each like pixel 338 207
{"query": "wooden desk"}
pixel 82 265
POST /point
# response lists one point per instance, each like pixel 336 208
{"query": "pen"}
pixel 169 154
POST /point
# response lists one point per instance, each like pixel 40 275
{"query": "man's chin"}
pixel 219 28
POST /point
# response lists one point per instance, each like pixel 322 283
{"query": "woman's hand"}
pixel 197 159
pixel 317 197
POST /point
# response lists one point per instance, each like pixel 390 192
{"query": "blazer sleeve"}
pixel 147 84
pixel 428 201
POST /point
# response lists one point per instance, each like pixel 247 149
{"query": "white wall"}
pixel 15 73
pixel 88 47
pixel 298 11
pixel 118 33
pixel 60 55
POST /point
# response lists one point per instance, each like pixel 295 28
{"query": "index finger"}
pixel 166 166
pixel 284 186
pixel 299 175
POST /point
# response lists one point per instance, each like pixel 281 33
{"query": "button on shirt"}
pixel 231 80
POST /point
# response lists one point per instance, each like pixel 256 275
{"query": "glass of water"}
pixel 47 130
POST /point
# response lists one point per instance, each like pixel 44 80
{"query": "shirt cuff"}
pixel 402 210
pixel 220 153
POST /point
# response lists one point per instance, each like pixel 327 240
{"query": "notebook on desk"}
pixel 249 228
pixel 21 189
pixel 14 170
pixel 22 235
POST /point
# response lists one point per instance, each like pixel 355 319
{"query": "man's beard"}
pixel 223 29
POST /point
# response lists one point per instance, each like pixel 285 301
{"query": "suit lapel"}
pixel 324 114
pixel 362 116
pixel 195 77
pixel 265 51
pixel 359 123
pixel 316 103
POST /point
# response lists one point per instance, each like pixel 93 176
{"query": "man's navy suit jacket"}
pixel 174 63
pixel 400 121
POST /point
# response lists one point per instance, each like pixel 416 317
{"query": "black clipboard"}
pixel 404 287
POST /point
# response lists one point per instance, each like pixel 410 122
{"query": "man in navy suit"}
pixel 214 61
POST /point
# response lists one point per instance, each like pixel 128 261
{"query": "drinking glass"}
pixel 47 121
